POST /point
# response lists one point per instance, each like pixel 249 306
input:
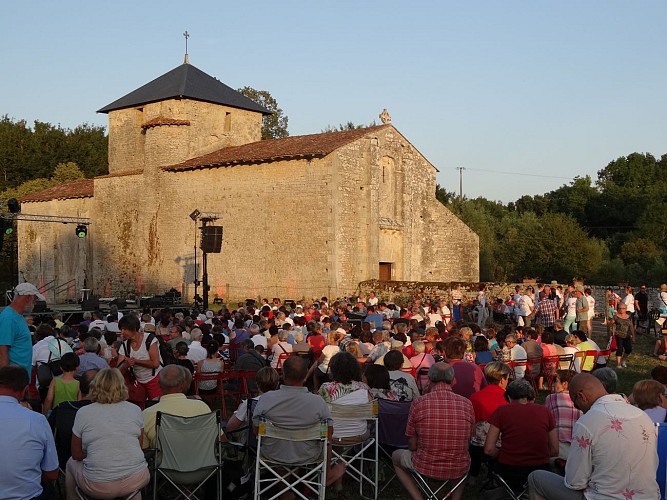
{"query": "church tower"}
pixel 180 115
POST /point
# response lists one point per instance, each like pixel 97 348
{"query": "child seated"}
pixel 64 387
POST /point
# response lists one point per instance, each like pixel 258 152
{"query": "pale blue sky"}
pixel 545 88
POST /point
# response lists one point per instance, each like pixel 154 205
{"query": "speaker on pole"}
pixel 211 239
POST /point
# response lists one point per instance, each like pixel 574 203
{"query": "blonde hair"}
pixel 108 387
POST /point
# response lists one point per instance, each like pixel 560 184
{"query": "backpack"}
pixel 165 351
pixel 46 371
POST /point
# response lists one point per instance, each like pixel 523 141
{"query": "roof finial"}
pixel 385 117
pixel 186 59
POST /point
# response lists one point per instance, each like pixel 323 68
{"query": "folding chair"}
pixel 188 453
pixel 565 361
pixel 661 474
pixel 533 372
pixel 578 359
pixel 210 398
pixel 550 365
pixel 653 316
pixel 83 496
pixel 508 489
pixel 310 474
pixel 432 492
pixel 356 455
pixel 523 363
pixel 392 421
pixel 606 353
pixel 411 371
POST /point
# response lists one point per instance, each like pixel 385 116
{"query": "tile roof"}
pixel 162 120
pixel 82 188
pixel 300 146
pixel 185 82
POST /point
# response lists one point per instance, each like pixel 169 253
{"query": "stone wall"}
pixel 211 127
pixel 52 252
pixel 292 229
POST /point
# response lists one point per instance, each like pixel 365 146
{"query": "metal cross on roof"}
pixel 186 35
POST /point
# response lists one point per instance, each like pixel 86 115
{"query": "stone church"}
pixel 305 215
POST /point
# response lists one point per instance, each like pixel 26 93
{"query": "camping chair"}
pixel 424 483
pixel 280 477
pixel 62 433
pixel 188 451
pixel 363 452
pixel 392 422
pixel 661 429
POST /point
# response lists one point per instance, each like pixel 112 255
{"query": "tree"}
pixel 274 126
pixel 343 127
pixel 66 172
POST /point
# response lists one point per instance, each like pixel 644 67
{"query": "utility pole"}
pixel 460 169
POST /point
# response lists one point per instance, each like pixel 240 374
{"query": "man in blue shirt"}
pixel 15 338
pixel 29 452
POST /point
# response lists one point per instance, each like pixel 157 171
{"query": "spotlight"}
pixel 81 231
pixel 195 214
pixel 13 205
pixel 6 226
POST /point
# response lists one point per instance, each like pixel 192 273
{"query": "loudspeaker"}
pixel 211 239
pixel 39 307
pixel 90 305
pixel 121 303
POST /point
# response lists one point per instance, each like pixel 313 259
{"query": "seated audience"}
pixel 175 381
pixel 482 352
pixel 64 387
pixel 469 377
pixel 649 395
pixel 293 407
pixel 378 382
pixel 109 423
pixel 439 428
pixel 563 410
pixel 529 437
pixel 29 462
pixel 212 365
pixel 402 384
pixel 484 403
pixel 346 388
pixel 91 359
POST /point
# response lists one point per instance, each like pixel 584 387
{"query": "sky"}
pixel 524 95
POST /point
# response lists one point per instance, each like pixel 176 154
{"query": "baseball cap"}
pixel 28 289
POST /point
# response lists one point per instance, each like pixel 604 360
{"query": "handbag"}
pixel 46 371
pixel 611 345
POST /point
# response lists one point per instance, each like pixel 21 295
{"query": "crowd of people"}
pixel 472 373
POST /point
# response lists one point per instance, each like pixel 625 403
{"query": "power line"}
pixel 517 173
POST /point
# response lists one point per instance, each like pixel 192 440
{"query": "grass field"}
pixel 640 364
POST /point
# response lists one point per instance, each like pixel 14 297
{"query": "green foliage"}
pixel 274 126
pixel 66 172
pixel 27 153
pixel 608 231
pixel 342 127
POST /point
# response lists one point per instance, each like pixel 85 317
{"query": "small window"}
pixel 228 122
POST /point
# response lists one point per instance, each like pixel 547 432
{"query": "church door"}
pixel 385 271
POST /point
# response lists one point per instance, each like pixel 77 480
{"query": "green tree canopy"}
pixel 274 126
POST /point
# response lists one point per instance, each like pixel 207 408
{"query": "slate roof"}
pixel 300 146
pixel 82 188
pixel 185 82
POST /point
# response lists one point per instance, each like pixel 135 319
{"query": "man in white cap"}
pixel 15 339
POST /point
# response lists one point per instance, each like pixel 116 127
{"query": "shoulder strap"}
pixel 149 341
pixel 279 345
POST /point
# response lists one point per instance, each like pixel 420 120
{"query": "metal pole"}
pixel 204 270
pixel 195 270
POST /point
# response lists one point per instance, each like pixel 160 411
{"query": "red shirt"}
pixel 443 423
pixel 316 344
pixel 468 377
pixel 486 401
pixel 524 429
